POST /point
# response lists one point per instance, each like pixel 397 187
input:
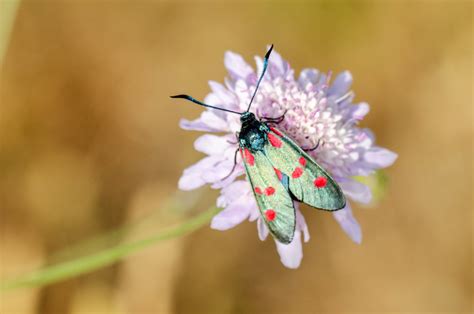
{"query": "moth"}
pixel 279 171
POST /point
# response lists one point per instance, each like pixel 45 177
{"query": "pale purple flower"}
pixel 314 111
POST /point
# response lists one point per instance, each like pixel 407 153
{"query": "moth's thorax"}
pixel 253 134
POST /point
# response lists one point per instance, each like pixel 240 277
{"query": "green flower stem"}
pixel 86 264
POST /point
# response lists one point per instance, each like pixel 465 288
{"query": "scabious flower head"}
pixel 315 111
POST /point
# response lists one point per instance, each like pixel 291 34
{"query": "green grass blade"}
pixel 8 10
pixel 86 264
pixel 174 207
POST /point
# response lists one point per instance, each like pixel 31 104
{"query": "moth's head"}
pixel 247 117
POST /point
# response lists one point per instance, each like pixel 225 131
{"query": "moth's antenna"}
pixel 265 64
pixel 187 97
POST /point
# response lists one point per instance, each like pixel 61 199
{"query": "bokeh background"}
pixel 90 142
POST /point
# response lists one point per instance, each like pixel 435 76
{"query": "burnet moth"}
pixel 279 171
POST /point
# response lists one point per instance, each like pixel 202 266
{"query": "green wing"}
pixel 308 182
pixel 274 201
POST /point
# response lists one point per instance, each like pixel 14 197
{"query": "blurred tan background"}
pixel 90 140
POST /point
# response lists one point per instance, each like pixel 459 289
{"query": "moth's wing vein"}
pixel 271 194
pixel 308 182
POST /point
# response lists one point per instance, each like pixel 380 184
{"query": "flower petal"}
pixel 291 254
pixel 234 123
pixel 208 122
pixel 237 66
pixel 244 91
pixel 189 182
pixel 358 112
pixel 380 157
pixel 341 84
pixel 277 66
pixel 259 64
pixel 262 229
pixel 196 125
pixel 235 190
pixel 222 97
pixel 192 177
pixel 308 76
pixel 254 212
pixel 232 215
pixel 348 223
pixel 219 171
pixel 212 144
pixel 218 123
pixel 239 170
pixel 355 190
pixel 365 138
pixel 301 223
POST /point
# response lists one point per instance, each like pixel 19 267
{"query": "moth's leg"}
pixel 233 168
pixel 276 120
pixel 236 137
pixel 271 120
pixel 314 148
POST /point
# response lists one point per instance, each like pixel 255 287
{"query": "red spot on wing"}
pixel 302 161
pixel 258 190
pixel 275 141
pixel 276 132
pixel 269 191
pixel 249 157
pixel 270 214
pixel 278 173
pixel 297 173
pixel 320 182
